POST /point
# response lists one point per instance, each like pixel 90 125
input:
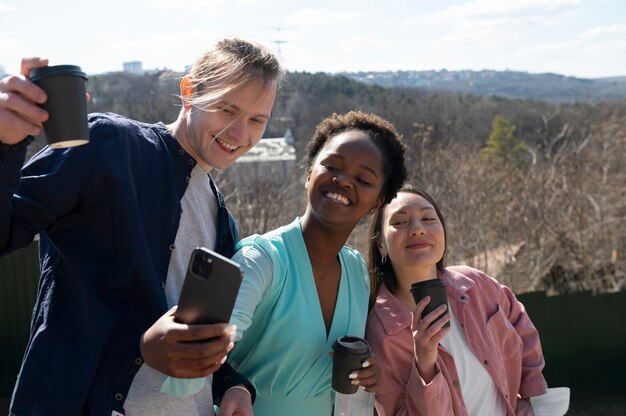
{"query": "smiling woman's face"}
pixel 346 180
pixel 412 236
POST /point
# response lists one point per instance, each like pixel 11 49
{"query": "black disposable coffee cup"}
pixel 66 104
pixel 348 356
pixel 436 289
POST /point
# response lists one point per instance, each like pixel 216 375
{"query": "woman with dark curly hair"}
pixel 302 288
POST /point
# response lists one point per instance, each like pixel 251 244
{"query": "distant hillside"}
pixel 512 84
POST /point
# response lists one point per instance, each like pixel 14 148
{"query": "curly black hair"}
pixel 382 133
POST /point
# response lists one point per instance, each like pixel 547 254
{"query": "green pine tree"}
pixel 502 148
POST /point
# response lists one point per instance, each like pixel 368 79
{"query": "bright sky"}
pixel 584 38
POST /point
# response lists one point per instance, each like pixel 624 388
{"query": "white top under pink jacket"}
pixel 498 331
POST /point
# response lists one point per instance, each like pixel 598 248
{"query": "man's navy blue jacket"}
pixel 107 214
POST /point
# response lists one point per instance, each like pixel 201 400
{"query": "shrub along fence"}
pixel 583 337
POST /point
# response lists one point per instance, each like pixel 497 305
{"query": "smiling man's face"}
pixel 218 135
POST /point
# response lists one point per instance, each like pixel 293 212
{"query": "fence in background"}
pixel 19 275
pixel 583 339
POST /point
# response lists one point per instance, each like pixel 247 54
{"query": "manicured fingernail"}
pixel 355 382
pixel 363 388
pixel 353 375
pixel 231 345
pixel 223 360
pixel 366 364
pixel 230 328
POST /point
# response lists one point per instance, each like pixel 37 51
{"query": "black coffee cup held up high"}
pixel 66 104
pixel 436 289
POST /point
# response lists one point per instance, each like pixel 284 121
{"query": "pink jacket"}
pixel 498 331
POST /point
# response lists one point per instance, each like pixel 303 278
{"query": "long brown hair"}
pixel 383 272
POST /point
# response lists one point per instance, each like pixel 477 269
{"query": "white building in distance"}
pixel 133 67
pixel 270 163
pixel 279 149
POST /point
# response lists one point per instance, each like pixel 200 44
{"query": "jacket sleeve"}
pixel 11 160
pixel 257 270
pixel 257 277
pixel 401 390
pixel 533 383
pixel 47 188
pixel 225 378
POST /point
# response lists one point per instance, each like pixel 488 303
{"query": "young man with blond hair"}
pixel 117 219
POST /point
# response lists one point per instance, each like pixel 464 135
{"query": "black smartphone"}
pixel 209 290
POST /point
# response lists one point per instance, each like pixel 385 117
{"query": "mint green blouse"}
pixel 281 343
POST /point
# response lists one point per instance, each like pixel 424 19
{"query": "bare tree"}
pixel 261 196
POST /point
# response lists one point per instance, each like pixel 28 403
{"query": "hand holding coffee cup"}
pixel 20 115
pixel 66 104
pixel 436 289
pixel 349 353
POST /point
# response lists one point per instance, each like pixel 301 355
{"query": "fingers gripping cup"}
pixel 348 356
pixel 436 289
pixel 66 105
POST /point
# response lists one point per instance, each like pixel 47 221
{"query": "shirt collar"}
pixel 457 283
pixel 393 315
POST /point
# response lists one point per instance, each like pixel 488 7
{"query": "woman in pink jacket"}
pixel 487 362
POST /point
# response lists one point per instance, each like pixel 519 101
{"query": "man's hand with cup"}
pixel 19 114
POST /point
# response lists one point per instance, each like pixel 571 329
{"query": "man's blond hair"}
pixel 228 65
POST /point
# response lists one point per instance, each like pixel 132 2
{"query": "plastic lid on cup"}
pixel 428 283
pixel 352 345
pixel 51 71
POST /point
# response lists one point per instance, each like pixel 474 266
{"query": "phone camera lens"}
pixel 196 267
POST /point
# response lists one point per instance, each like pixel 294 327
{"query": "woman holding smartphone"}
pixel 302 288
pixel 487 362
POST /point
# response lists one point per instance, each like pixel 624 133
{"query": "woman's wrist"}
pixel 426 371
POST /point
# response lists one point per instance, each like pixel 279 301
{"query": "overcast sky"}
pixel 583 38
